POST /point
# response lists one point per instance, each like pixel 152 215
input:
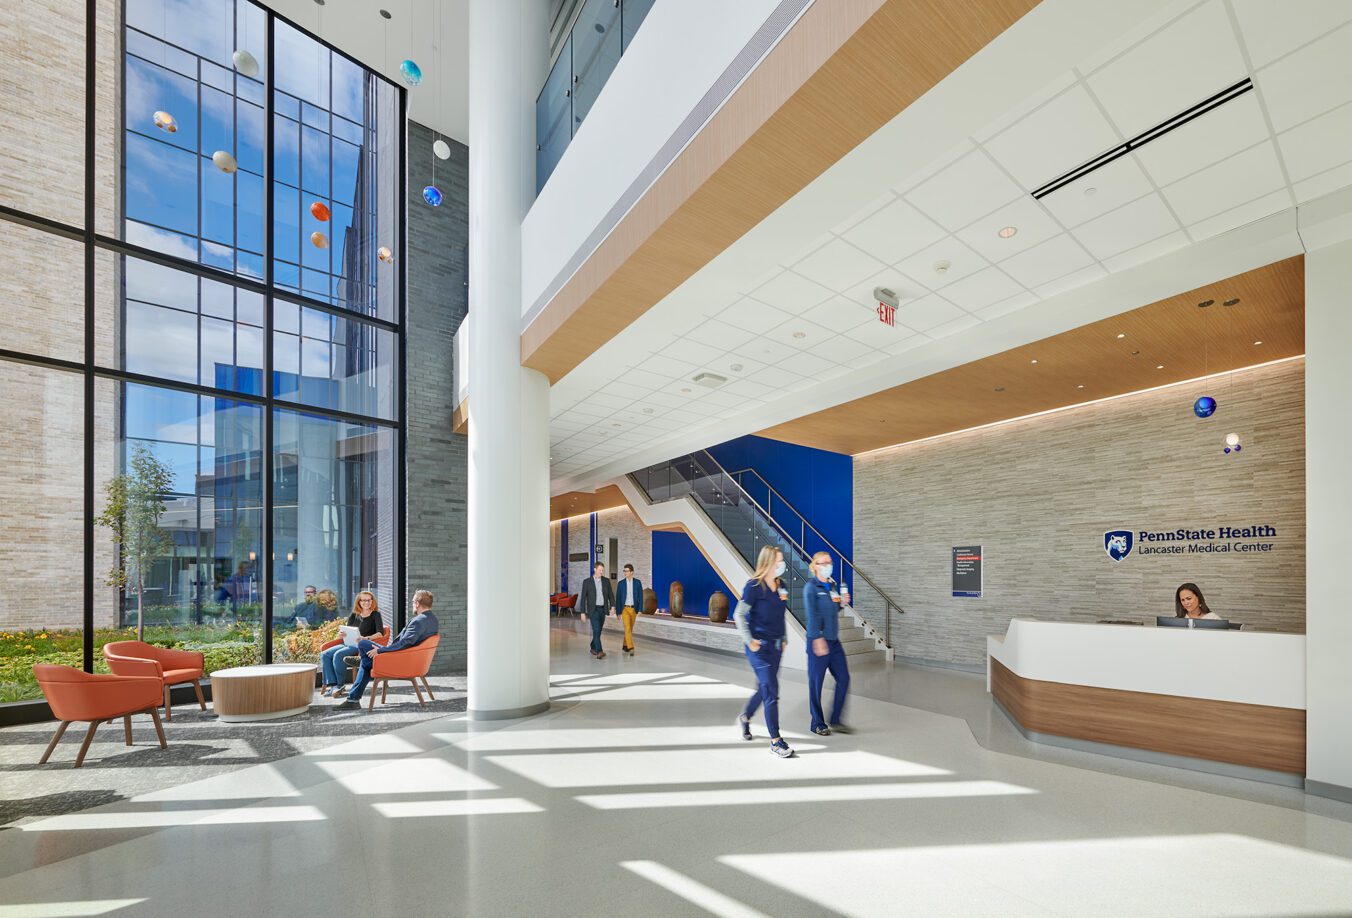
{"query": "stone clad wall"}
pixel 1039 494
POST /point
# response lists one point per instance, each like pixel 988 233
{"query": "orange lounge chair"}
pixel 171 667
pixel 411 664
pixel 75 695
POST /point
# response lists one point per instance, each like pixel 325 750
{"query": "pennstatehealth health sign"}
pixel 1216 540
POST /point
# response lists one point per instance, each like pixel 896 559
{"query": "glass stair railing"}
pixel 729 500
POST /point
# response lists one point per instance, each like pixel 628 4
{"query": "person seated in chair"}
pixel 421 627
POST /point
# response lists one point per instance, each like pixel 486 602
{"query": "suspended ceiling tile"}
pixel 1272 30
pixel 981 290
pixel 1005 307
pixel 954 327
pixel 1319 78
pixel 1048 261
pixel 1064 133
pixel 1027 217
pixel 1147 252
pixel 838 265
pixel 798 334
pixel 927 313
pixel 719 334
pixel 791 292
pixel 896 231
pixel 1324 183
pixel 968 189
pixel 841 350
pixel 753 316
pixel 1229 183
pixel 1222 132
pixel 962 261
pixel 1191 59
pixel 1070 281
pixel 1319 144
pixel 1127 227
pixel 1242 214
pixel 841 314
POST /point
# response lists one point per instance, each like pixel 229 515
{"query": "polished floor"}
pixel 635 796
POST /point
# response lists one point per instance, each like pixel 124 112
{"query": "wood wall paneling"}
pixel 1252 735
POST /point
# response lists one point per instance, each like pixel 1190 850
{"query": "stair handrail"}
pixel 891 603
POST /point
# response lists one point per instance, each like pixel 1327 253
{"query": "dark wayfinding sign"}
pixel 967 570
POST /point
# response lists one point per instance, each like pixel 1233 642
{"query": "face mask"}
pixel 779 569
pixel 826 570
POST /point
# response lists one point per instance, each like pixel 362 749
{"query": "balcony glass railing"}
pixel 599 36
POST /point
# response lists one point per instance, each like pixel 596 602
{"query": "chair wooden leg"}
pixel 201 702
pixel 384 690
pixel 126 727
pixel 421 703
pixel 168 710
pixel 428 689
pixel 159 729
pixel 371 705
pixel 84 747
pixel 60 732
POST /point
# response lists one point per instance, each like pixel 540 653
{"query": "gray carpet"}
pixel 200 746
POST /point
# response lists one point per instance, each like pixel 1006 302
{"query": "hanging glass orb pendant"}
pixel 432 195
pixel 442 149
pixel 411 73
pixel 1204 407
pixel 1232 444
pixel 165 122
pixel 245 63
pixel 319 240
pixel 385 255
pixel 224 161
pixel 319 211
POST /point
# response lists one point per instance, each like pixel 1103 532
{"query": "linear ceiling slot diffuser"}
pixel 1143 138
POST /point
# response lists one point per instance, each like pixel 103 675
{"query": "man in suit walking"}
pixel 597 599
pixel 421 627
pixel 629 601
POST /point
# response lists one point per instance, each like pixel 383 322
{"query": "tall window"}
pixel 216 296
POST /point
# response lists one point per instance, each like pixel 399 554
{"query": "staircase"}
pixel 694 493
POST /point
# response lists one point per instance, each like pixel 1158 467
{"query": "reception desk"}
pixel 1232 697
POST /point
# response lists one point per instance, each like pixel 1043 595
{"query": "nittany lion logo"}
pixel 1118 543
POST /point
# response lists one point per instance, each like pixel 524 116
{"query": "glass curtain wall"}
pixel 179 191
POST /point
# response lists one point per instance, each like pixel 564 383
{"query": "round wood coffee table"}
pixel 263 692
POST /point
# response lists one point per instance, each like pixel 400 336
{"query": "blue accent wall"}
pixel 819 484
pixel 675 557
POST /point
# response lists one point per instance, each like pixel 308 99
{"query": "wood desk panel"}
pixel 1253 735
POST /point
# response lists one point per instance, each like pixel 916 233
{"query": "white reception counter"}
pixel 1228 696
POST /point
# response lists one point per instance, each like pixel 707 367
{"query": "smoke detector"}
pixel 942 266
pixel 709 380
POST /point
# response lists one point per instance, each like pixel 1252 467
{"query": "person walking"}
pixel 822 599
pixel 596 601
pixel 629 601
pixel 759 617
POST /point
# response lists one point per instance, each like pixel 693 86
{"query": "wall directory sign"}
pixel 967 571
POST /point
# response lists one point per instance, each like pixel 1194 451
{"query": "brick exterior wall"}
pixel 438 460
pixel 1039 495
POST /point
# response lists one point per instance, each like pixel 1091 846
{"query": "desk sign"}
pixel 967 571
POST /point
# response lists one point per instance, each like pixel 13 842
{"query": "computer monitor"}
pixel 1173 621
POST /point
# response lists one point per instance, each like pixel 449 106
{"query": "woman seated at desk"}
pixel 1189 603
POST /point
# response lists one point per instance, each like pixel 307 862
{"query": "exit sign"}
pixel 887 314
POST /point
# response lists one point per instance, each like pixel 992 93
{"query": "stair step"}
pixel 853 647
pixel 852 634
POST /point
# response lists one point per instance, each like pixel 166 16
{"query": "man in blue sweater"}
pixel 421 627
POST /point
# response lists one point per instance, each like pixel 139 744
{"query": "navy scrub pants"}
pixel 817 668
pixel 765 664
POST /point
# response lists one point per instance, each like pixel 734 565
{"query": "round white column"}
pixel 508 652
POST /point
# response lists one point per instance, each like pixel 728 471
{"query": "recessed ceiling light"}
pixel 1121 335
pixel 647 411
pixel 1205 303
pixel 1232 302
pixel 1080 386
pixel 941 267
pixel 736 368
pixel 1090 191
pixel 1034 360
pixel 1136 353
pixel 1159 366
pixel 1007 231
pixel 1256 343
pixel 385 14
pixel 999 388
pixel 799 334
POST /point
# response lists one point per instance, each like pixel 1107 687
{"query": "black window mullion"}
pixel 91 59
pixel 265 527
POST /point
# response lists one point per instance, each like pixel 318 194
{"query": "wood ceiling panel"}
pixel 1174 333
pixel 842 71
pixel 576 503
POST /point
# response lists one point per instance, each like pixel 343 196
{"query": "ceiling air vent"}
pixel 1177 121
pixel 712 380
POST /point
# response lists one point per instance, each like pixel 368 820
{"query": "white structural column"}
pixel 508 653
pixel 1328 520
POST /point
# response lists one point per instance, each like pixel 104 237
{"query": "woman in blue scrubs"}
pixel 822 600
pixel 760 622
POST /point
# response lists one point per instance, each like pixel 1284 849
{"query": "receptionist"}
pixel 1189 603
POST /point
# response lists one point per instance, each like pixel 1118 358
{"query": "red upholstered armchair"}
pixel 411 663
pixel 95 699
pixel 171 667
pixel 566 602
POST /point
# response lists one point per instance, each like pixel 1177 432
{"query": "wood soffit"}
pixel 815 97
pixel 578 503
pixel 1174 333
